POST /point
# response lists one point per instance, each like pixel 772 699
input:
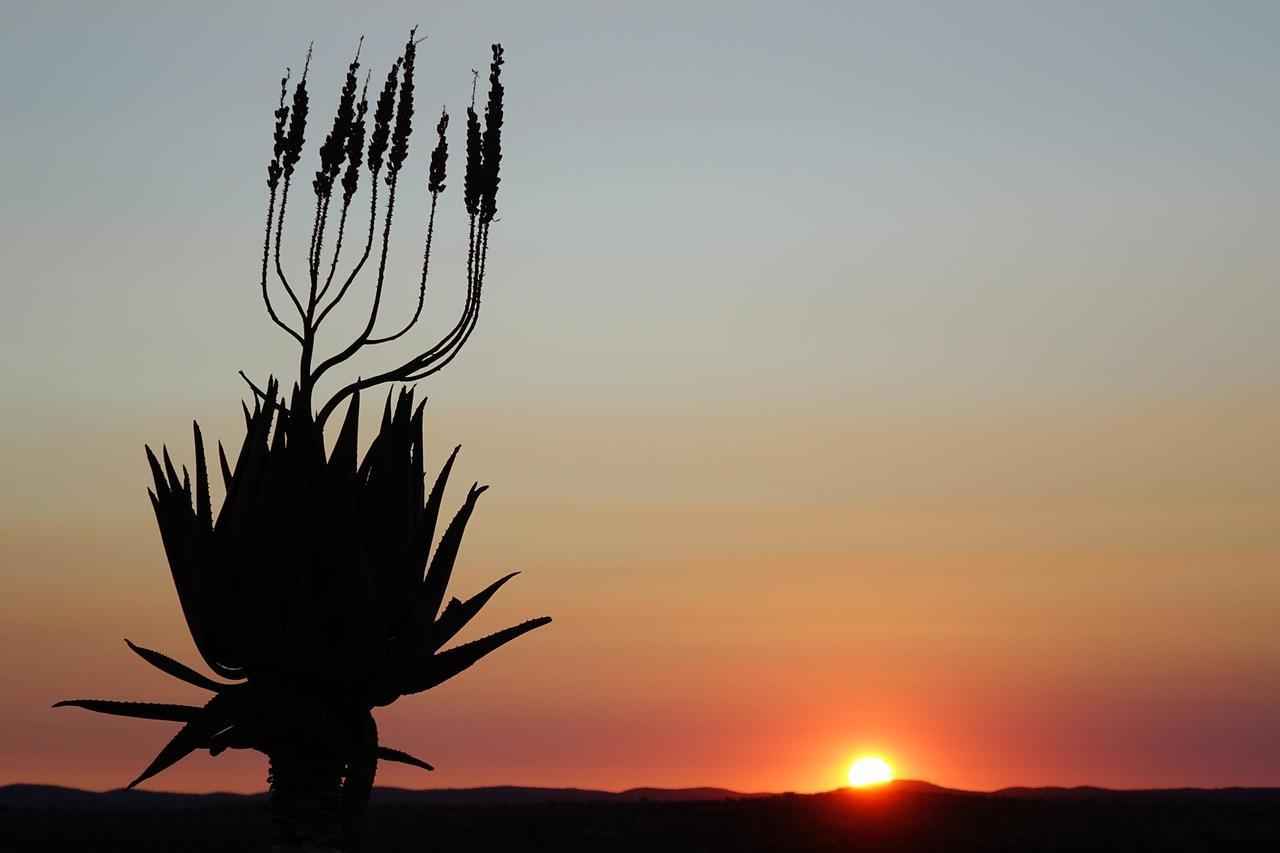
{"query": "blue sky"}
pixel 702 200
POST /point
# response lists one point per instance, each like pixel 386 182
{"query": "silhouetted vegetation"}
pixel 314 592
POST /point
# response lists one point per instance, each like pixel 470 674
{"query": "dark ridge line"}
pixel 57 796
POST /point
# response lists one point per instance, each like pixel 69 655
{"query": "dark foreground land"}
pixel 904 817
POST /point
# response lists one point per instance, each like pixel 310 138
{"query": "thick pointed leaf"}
pixel 161 484
pixel 171 524
pixel 386 519
pixel 404 405
pixel 199 580
pixel 180 671
pixel 214 584
pixel 226 469
pixel 343 457
pixel 204 506
pixel 458 613
pixel 413 630
pixel 375 450
pixel 431 512
pixel 445 665
pixel 249 464
pixel 139 710
pixel 221 712
pixel 386 753
pixel 418 477
pixel 175 485
pixel 386 412
pixel 407 602
pixel 441 569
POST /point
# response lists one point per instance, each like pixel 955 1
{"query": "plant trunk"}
pixel 306 802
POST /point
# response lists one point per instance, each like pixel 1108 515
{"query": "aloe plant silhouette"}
pixel 315 593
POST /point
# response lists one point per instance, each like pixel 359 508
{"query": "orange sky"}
pixel 1101 616
pixel 883 377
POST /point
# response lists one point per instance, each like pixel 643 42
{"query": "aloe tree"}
pixel 314 594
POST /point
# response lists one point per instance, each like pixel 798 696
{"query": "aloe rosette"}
pixel 315 594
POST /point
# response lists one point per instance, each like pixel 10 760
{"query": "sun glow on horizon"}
pixel 869 770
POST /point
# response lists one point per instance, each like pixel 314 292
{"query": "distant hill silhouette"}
pixel 54 796
pixel 1163 795
pixel 901 816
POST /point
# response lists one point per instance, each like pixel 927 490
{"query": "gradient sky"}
pixel 897 378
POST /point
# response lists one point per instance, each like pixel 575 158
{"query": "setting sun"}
pixel 869 771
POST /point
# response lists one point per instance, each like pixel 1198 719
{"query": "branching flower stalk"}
pixel 385 157
pixel 314 591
